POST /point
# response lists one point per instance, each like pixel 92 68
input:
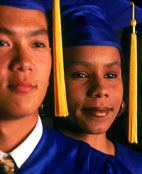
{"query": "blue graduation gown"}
pixel 131 160
pixel 59 154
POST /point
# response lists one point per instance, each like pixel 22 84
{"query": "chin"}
pixel 18 113
pixel 96 130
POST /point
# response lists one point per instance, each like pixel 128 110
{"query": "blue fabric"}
pixel 130 159
pixel 119 12
pixel 109 168
pixel 86 25
pixel 93 22
pixel 59 154
pixel 25 4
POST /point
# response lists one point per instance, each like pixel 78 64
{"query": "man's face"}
pixel 25 61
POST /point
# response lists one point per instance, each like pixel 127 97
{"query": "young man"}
pixel 25 63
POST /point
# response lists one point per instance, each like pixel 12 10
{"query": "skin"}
pixel 25 64
pixel 94 93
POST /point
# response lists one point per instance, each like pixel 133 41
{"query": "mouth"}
pixel 23 87
pixel 97 111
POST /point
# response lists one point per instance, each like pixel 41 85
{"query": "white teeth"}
pixel 101 114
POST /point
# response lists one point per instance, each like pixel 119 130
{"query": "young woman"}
pixel 93 81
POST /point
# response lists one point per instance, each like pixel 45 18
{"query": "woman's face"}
pixel 94 86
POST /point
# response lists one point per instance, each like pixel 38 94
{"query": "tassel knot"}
pixel 133 22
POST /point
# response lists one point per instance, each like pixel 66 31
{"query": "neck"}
pixel 13 132
pixel 99 142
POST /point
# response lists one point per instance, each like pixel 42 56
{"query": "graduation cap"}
pixel 93 23
pixel 25 4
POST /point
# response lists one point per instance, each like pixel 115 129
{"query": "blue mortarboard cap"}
pixel 25 4
pixel 119 12
pixel 93 22
pixel 87 25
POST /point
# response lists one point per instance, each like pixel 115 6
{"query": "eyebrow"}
pixel 31 33
pixel 39 32
pixel 82 63
pixel 86 64
pixel 116 63
pixel 6 31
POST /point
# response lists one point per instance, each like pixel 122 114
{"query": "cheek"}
pixel 44 66
pixel 43 74
pixel 44 62
pixel 120 94
pixel 74 91
pixel 4 65
pixel 75 97
pixel 117 97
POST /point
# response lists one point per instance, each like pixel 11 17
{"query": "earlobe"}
pixel 122 108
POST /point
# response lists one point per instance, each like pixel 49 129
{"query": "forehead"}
pixel 13 17
pixel 91 54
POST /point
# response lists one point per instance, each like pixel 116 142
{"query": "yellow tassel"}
pixel 61 108
pixel 132 137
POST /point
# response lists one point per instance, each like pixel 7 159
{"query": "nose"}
pixel 21 61
pixel 98 89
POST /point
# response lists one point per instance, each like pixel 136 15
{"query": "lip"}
pixel 22 87
pixel 99 112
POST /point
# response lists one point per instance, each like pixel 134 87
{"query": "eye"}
pixel 110 76
pixel 38 45
pixel 80 75
pixel 3 44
